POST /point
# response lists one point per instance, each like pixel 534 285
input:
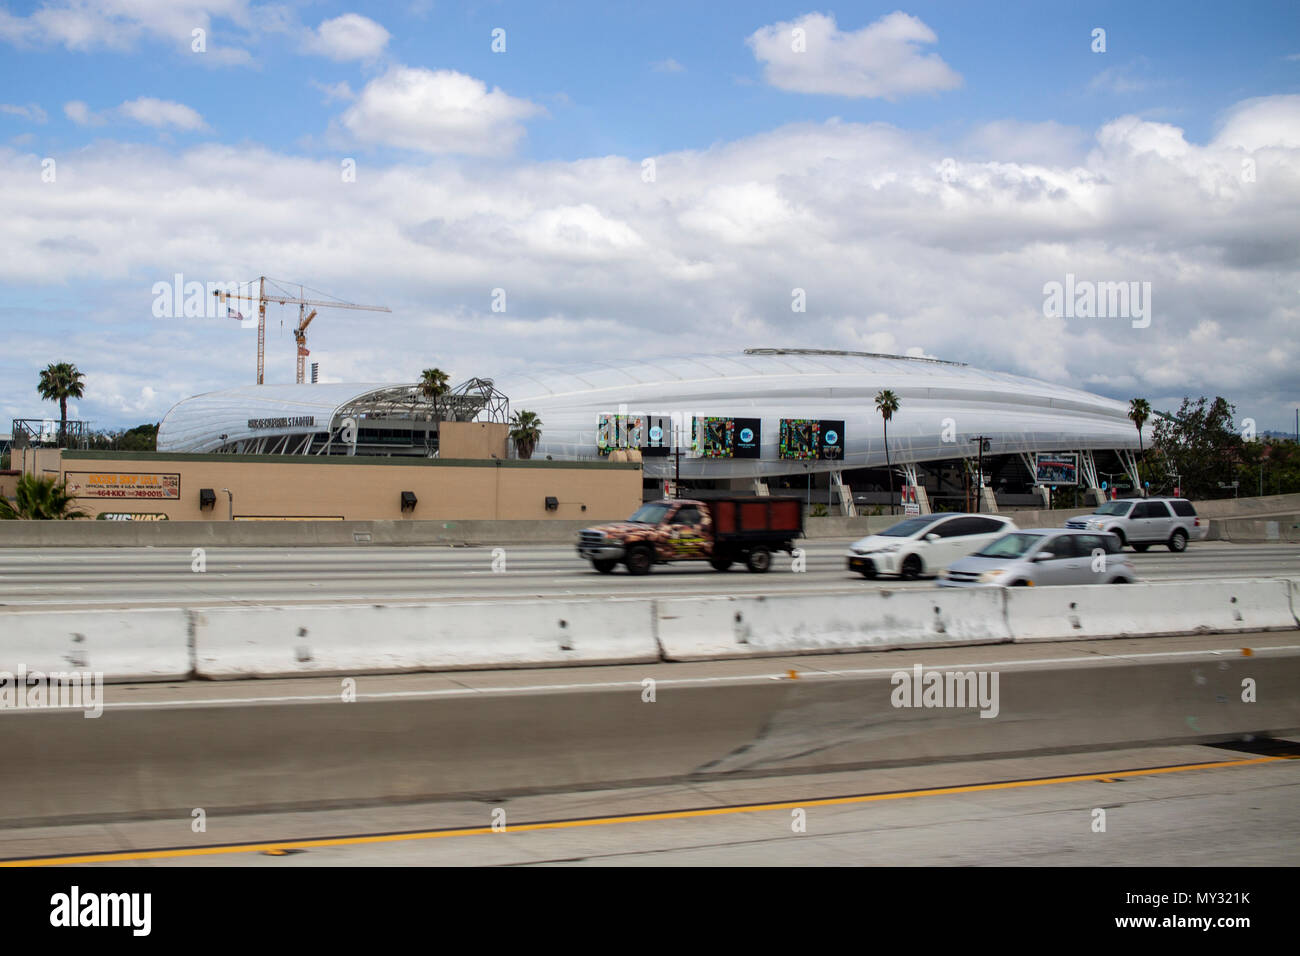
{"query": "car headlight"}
pixel 993 575
pixel 891 547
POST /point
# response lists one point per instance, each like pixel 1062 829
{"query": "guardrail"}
pixel 235 642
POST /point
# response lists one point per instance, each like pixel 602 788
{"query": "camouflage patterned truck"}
pixel 721 531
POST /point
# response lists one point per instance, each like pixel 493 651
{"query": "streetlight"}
pixel 231 496
pixel 984 444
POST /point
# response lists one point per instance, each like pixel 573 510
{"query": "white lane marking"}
pixel 689 681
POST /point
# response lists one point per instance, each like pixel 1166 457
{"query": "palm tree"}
pixel 887 404
pixel 525 429
pixel 433 385
pixel 40 499
pixel 1139 410
pixel 59 382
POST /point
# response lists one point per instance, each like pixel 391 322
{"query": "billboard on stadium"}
pixel 1060 469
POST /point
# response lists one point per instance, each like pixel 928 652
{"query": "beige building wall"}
pixel 473 440
pixel 354 489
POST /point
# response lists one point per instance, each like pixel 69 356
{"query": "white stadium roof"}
pixel 943 405
pixel 208 421
pixel 937 400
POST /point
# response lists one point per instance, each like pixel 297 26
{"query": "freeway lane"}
pixel 164 577
pixel 1164 806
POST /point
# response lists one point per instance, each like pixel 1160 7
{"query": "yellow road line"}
pixel 627 818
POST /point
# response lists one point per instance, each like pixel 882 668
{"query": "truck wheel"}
pixel 720 564
pixel 1178 541
pixel 759 560
pixel 640 560
pixel 605 566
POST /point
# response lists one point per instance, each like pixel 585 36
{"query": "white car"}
pixel 925 544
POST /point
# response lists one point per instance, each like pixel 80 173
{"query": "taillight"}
pixel 1196 522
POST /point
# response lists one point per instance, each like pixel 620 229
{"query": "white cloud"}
pixel 147 110
pixel 895 250
pixel 668 66
pixel 162 113
pixel 29 112
pixel 1132 77
pixel 1263 122
pixel 349 37
pixel 881 60
pixel 121 25
pixel 80 113
pixel 340 91
pixel 438 111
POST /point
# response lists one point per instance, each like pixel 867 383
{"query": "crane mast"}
pixel 304 319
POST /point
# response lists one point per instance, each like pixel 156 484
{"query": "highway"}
pixel 1164 806
pixel 286 773
pixel 164 577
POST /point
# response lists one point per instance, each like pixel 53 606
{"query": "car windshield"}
pixel 652 513
pixel 1114 508
pixel 1013 545
pixel 905 529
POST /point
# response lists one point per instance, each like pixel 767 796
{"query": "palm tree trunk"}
pixel 63 421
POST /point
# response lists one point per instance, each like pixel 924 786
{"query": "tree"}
pixel 1139 411
pixel 59 382
pixel 139 438
pixel 1199 444
pixel 525 430
pixel 433 385
pixel 39 498
pixel 887 404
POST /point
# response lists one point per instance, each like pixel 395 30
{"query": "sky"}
pixel 538 184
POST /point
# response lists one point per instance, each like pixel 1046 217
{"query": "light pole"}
pixel 983 446
pixel 230 495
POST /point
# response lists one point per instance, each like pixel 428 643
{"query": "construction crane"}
pixel 304 319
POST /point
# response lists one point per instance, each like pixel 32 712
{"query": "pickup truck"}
pixel 721 531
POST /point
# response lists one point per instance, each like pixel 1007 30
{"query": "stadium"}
pixel 792 418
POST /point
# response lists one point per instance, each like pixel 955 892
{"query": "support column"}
pixel 911 479
pixel 1088 472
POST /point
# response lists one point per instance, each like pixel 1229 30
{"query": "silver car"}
pixel 1038 557
pixel 1142 522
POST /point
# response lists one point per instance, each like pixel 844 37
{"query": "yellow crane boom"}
pixel 300 333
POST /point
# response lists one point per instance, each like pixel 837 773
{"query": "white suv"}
pixel 1143 522
pixel 924 544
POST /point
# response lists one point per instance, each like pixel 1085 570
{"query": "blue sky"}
pixel 519 170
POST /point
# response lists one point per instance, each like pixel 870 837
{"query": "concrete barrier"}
pixel 1279 529
pixel 279 534
pixel 126 645
pixel 314 751
pixel 1149 610
pixel 297 641
pixel 702 628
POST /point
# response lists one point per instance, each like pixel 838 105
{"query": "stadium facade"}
pixel 734 417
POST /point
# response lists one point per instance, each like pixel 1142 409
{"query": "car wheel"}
pixel 640 560
pixel 1139 548
pixel 759 560
pixel 720 564
pixel 868 573
pixel 605 566
pixel 912 567
pixel 1120 534
pixel 1178 541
